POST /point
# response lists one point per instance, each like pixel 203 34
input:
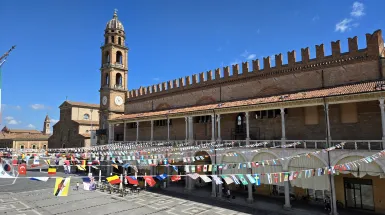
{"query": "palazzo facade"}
pixel 321 101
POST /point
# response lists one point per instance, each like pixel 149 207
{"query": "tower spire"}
pixel 115 13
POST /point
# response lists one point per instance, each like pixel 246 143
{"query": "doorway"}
pixel 359 193
pixel 239 132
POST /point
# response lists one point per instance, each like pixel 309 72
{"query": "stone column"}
pixel 212 128
pixel 382 107
pixel 247 128
pixel 110 133
pixel 328 121
pixel 168 129
pixel 168 173
pixel 283 138
pixel 333 198
pixel 186 122
pixel 250 198
pixel 191 128
pixel 124 132
pixel 186 183
pixel 287 193
pixel 137 131
pixel 334 202
pixel 219 187
pixel 219 127
pixel 152 130
pixel 213 184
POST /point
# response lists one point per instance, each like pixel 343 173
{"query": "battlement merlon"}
pixel 374 47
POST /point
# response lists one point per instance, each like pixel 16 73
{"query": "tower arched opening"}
pixel 119 57
pixel 119 79
pixel 107 57
pixel 106 79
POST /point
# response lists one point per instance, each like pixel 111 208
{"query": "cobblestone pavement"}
pixel 26 197
pixel 43 202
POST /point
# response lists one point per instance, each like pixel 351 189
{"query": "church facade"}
pixel 76 127
pixel 322 101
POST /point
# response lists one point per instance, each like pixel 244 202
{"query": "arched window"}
pixel 105 40
pixel 107 57
pixel 106 79
pixel 119 57
pixel 44 147
pixel 119 41
pixel 22 147
pixel 86 116
pixel 118 80
pixel 112 39
pixel 33 146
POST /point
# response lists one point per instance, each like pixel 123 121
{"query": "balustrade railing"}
pixel 115 65
pixel 304 144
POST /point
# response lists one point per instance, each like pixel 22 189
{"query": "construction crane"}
pixel 2 60
pixel 4 57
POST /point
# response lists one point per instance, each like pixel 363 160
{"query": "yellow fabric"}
pixel 51 170
pixel 115 177
pixel 80 168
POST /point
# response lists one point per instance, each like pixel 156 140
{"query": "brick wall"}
pixel 249 88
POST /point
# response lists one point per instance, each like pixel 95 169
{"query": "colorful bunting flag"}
pixel 149 180
pixel 61 186
pixel 113 179
pixel 132 180
pixel 51 171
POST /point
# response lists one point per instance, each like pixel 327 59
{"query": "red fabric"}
pixel 14 162
pixel 22 169
pixel 132 180
pixel 150 181
pixel 175 178
pixel 117 181
pixel 199 168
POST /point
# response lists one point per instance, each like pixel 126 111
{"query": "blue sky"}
pixel 58 42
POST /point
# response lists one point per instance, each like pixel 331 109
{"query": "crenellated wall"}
pixel 244 82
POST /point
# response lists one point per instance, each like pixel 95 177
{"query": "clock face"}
pixel 104 100
pixel 118 100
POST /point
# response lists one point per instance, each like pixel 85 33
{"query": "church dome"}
pixel 114 23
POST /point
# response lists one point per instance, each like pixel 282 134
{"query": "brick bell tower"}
pixel 113 75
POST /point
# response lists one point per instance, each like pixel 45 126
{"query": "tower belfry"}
pixel 114 70
pixel 46 129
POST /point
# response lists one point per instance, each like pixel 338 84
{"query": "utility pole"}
pixel 3 58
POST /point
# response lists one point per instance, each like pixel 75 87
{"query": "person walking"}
pixel 327 203
pixel 77 185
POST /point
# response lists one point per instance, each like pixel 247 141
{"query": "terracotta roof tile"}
pixel 334 91
pixel 23 136
pixel 24 131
